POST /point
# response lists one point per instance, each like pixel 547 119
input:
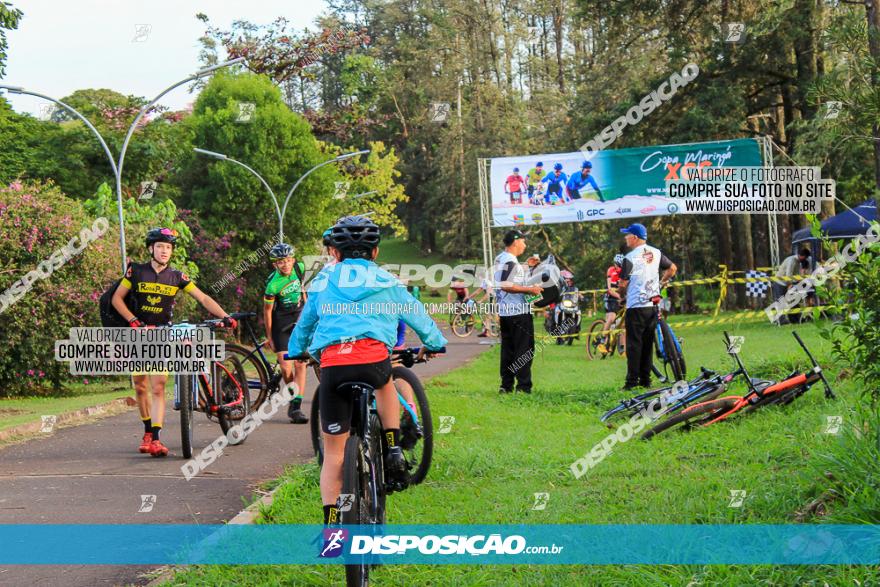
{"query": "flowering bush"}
pixel 36 222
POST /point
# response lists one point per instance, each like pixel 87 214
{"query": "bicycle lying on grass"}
pixel 220 393
pixel 765 394
pixel 416 426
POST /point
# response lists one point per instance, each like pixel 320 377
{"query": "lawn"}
pixel 504 449
pixel 15 411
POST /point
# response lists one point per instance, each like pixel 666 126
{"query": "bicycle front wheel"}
pixel 594 339
pixel 354 502
pixel 230 387
pixel 462 325
pixel 315 425
pixel 416 437
pixel 694 416
pixel 185 392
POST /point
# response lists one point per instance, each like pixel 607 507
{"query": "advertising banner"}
pixel 621 183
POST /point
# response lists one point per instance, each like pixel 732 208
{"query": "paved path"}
pixel 94 474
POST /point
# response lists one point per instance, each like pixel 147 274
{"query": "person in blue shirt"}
pixel 350 322
pixel 555 182
pixel 579 180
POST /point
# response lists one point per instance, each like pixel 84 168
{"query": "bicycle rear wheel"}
pixel 672 355
pixel 695 416
pixel 185 390
pixel 416 438
pixel 354 503
pixel 229 382
pixel 254 372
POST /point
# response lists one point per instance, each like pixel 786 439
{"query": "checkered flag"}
pixel 757 289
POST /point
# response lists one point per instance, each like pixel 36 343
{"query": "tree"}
pixel 9 19
pixel 277 143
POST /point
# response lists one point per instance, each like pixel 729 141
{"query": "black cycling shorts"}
pixel 282 327
pixel 336 406
pixel 612 304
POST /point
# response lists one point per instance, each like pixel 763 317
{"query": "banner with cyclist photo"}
pixel 621 183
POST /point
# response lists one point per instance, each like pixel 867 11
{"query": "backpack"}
pixel 110 318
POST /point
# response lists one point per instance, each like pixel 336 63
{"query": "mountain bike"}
pixel 416 425
pixel 614 341
pixel 463 320
pixel 219 394
pixel 766 394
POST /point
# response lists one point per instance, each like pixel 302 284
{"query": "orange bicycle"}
pixel 760 394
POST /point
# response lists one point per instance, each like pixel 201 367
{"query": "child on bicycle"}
pixel 350 322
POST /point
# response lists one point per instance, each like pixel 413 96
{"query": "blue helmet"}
pixel 515 169
pixel 539 164
pixel 586 165
pixel 558 167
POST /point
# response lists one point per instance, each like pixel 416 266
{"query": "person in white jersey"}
pixel 641 280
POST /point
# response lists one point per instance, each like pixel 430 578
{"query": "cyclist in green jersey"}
pixel 282 303
pixel 533 181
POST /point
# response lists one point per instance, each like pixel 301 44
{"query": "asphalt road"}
pixel 93 474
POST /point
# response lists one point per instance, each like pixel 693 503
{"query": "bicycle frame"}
pixel 201 381
pixel 360 425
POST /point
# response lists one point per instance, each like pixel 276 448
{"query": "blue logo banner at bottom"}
pixel 154 544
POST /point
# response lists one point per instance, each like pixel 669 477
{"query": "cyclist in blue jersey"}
pixel 579 180
pixel 555 181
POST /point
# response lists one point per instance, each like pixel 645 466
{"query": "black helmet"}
pixel 280 251
pixel 162 235
pixel 355 236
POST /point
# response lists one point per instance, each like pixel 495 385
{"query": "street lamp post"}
pixel 306 174
pixel 117 168
pixel 91 127
pixel 197 75
pixel 223 157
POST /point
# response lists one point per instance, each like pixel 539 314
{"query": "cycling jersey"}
pixel 614 274
pixel 534 176
pixel 578 181
pixel 153 292
pixel 553 180
pixel 515 182
pixel 284 292
pixel 460 292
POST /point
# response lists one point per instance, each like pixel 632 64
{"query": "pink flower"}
pixel 86 381
pixel 16 186
pixel 42 374
pixel 31 372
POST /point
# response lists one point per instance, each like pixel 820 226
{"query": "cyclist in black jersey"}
pixel 154 286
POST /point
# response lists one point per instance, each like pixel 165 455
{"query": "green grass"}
pixel 398 250
pixel 15 411
pixel 503 449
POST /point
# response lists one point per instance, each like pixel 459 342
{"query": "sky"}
pixel 65 45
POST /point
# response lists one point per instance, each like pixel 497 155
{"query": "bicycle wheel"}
pixel 254 372
pixel 416 438
pixel 230 375
pixel 694 416
pixel 379 471
pixel 185 390
pixel 593 339
pixel 315 425
pixel 672 353
pixel 627 409
pixel 354 502
pixel 462 325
